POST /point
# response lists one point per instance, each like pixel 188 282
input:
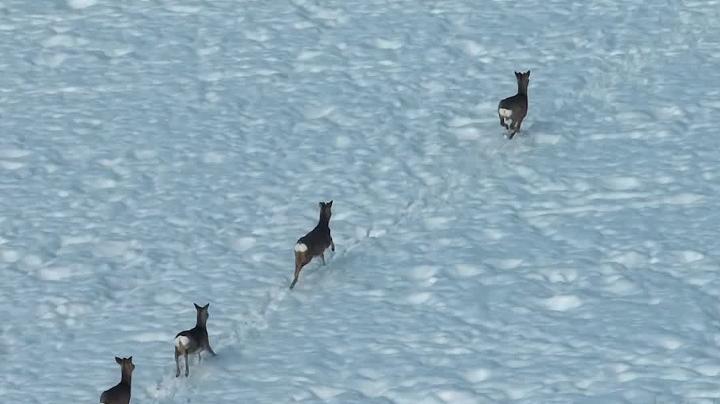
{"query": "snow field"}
pixel 155 154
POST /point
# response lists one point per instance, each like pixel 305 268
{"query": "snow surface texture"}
pixel 160 153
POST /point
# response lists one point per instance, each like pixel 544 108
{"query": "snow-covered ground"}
pixel 159 153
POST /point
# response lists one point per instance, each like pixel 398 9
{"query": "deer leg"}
pixel 199 356
pixel 187 367
pixel 332 244
pixel 502 122
pixel 515 128
pixel 322 256
pixel 177 363
pixel 298 267
pixel 295 279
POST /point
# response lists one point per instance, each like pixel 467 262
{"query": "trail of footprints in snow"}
pixel 311 246
pixel 196 341
pixel 314 244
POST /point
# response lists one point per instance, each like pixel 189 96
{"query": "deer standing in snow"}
pixel 120 393
pixel 512 110
pixel 193 340
pixel 315 242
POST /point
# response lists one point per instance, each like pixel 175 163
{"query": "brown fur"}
pixel 198 340
pixel 317 241
pixel 120 393
pixel 518 104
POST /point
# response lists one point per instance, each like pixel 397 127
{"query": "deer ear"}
pixel 330 203
pixel 118 360
pixel 321 204
pixel 196 306
pixel 130 359
pixel 528 73
pixel 206 306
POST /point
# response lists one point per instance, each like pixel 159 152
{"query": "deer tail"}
pixel 181 342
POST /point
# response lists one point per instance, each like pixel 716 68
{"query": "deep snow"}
pixel 159 153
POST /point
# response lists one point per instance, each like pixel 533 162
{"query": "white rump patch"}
pixel 505 113
pixel 182 341
pixel 300 247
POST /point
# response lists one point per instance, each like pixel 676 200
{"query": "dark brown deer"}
pixel 120 394
pixel 194 340
pixel 512 110
pixel 315 242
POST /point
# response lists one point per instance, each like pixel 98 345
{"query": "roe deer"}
pixel 315 242
pixel 193 340
pixel 120 394
pixel 512 110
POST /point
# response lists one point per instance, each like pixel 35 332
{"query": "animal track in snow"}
pixel 562 302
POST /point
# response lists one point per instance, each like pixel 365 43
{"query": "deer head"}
pixel 126 366
pixel 202 314
pixel 325 211
pixel 523 79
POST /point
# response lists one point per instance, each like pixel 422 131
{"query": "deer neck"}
pixel 126 378
pixel 201 322
pixel 522 89
pixel 324 221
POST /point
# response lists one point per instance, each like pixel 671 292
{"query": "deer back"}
pixel 120 394
pixel 317 240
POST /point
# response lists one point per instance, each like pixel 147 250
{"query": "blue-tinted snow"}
pixel 159 153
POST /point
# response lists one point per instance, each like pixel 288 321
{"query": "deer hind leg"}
pixel 295 278
pixel 177 363
pixel 332 244
pixel 299 263
pixel 322 257
pixel 187 366
pixel 502 122
pixel 515 128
